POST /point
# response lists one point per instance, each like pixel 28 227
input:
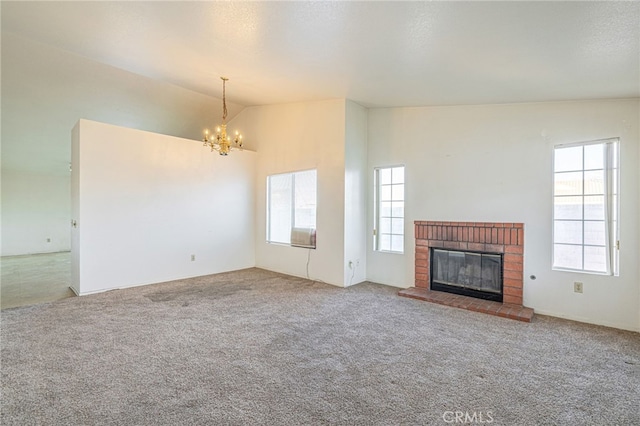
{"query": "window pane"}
pixel 385 225
pixel 595 259
pixel 594 182
pixel 568 232
pixel 385 242
pixel 398 175
pixel 567 256
pixel 569 183
pixel 594 233
pixel 594 156
pixel 567 207
pixel 397 226
pixel 567 159
pixel 385 209
pixel 385 176
pixel 385 193
pixel 397 192
pixel 397 243
pixel 397 208
pixel 280 208
pixel 594 207
pixel 305 199
pixel 305 217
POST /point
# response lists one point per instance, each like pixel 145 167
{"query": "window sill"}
pixel 290 245
pixel 389 251
pixel 580 271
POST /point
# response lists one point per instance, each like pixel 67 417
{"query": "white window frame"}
pixel 269 240
pixel 611 171
pixel 377 210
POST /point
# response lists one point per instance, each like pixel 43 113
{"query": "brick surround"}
pixel 504 238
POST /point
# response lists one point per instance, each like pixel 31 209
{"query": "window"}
pixel 291 208
pixel 585 207
pixel 389 209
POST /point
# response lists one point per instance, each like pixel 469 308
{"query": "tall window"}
pixel 291 208
pixel 389 209
pixel 585 207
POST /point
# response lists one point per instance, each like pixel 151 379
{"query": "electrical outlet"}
pixel 577 287
pixel 193 257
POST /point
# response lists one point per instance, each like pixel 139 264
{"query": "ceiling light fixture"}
pixel 220 141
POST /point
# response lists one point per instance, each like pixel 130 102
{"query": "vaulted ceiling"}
pixel 378 54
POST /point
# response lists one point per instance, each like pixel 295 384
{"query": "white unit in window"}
pixel 303 237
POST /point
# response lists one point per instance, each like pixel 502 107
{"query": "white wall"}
pixel 292 137
pixel 355 196
pixel 494 163
pixel 147 202
pixel 75 209
pixel 45 91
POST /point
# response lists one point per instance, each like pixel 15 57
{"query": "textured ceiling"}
pixel 375 53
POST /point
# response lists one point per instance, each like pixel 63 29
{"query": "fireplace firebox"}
pixel 468 273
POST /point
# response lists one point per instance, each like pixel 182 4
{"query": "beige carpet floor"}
pixel 258 348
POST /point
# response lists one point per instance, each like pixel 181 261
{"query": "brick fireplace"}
pixel 506 239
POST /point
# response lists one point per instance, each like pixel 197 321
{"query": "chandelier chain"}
pixel 224 100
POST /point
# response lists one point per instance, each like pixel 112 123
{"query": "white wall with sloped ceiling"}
pixel 151 208
pixel 45 91
pixel 295 137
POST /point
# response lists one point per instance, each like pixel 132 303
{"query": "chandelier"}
pixel 221 142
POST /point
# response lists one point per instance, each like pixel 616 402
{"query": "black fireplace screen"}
pixel 476 272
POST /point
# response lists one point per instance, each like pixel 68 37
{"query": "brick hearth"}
pixel 503 238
